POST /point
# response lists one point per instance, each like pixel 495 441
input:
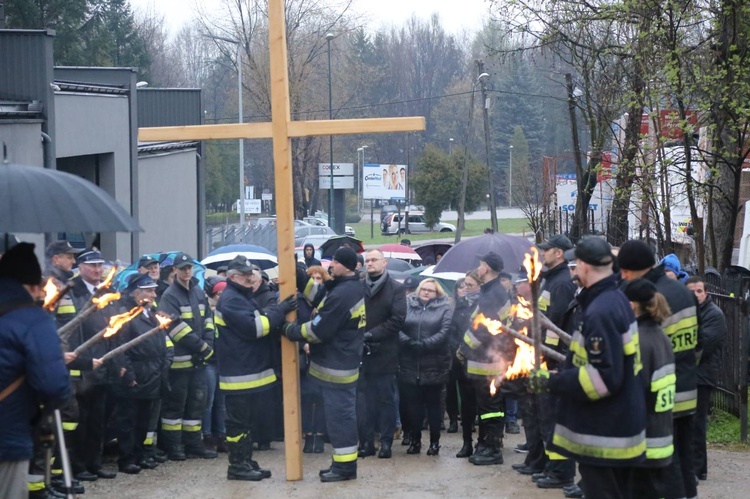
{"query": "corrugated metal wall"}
pixel 169 107
pixel 25 65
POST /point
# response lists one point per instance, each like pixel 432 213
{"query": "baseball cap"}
pixel 146 260
pixel 182 260
pixel 240 263
pixel 61 247
pixel 90 256
pixel 493 261
pixel 592 250
pixel 558 241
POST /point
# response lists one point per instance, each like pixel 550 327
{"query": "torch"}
pixel 533 270
pixel 164 323
pixel 115 323
pixel 52 295
pixel 98 300
pixel 497 327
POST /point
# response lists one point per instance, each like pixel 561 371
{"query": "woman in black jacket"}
pixel 424 360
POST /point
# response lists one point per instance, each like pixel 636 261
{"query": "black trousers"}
pixel 700 460
pixel 680 476
pixel 451 395
pixel 563 469
pixel 376 411
pixel 182 409
pixel 421 398
pixel 648 483
pixel 468 401
pixel 153 429
pixel 340 403
pixel 133 417
pixel 89 434
pixel 244 411
pixel 313 413
pixel 606 482
pixel 491 410
pixel 269 420
pixel 532 425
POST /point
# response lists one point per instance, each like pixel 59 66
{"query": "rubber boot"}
pixel 240 456
pixel 489 454
pixel 309 443
pixel 319 443
pixel 467 450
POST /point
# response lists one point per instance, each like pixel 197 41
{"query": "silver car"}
pixel 396 224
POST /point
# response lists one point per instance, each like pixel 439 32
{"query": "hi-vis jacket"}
pixel 487 354
pixel 336 334
pixel 193 334
pixel 558 291
pixel 682 329
pixel 659 377
pixel 601 416
pixel 244 345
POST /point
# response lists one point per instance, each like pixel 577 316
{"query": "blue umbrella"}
pixel 259 255
pixel 164 258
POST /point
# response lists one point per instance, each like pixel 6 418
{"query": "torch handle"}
pixel 547 351
pixel 88 343
pixel 536 330
pixel 65 331
pixel 550 326
pixel 130 344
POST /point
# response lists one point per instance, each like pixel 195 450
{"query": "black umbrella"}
pixel 328 248
pixel 34 199
pixel 430 250
pixel 464 256
pixel 398 265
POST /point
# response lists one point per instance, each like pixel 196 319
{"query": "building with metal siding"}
pixel 85 121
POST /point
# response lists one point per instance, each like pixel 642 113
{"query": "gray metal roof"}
pixel 20 109
pixel 90 88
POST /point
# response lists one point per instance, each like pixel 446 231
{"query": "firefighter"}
pixel 486 357
pixel 185 400
pixel 244 348
pixel 336 339
pixel 637 259
pixel 601 416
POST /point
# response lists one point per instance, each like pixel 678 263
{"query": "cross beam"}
pixel 282 129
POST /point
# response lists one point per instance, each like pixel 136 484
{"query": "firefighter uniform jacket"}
pixel 336 334
pixel 658 375
pixel 601 417
pixel 487 354
pixel 192 335
pixel 558 291
pixel 682 329
pixel 244 346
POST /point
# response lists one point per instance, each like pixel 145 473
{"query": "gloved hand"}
pixel 285 328
pixel 416 345
pixel 460 357
pixel 539 380
pixel 368 336
pixel 288 304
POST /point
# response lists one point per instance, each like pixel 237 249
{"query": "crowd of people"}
pixel 380 361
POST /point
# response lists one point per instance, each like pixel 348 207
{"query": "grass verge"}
pixel 724 431
pixel 473 228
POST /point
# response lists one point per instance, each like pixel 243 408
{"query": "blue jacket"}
pixel 29 346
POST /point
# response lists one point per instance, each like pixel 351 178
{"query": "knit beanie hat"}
pixel 640 290
pixel 636 255
pixel 346 257
pixel 20 264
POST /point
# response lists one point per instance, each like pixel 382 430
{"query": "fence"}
pixel 731 295
pixel 264 236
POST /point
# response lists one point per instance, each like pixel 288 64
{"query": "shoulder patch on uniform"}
pixel 595 345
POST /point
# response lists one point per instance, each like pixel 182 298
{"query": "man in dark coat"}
pixel 712 329
pixel 309 254
pixel 385 303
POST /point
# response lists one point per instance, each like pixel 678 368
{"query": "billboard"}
pixel 384 181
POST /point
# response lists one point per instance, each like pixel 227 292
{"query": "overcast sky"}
pixel 455 15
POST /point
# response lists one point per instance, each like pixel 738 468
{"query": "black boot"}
pixel 240 455
pixel 434 449
pixel 489 454
pixel 368 449
pixel 467 450
pixel 319 443
pixel 453 426
pixel 385 450
pixel 309 442
pixel 254 465
pixel 406 440
pixel 415 447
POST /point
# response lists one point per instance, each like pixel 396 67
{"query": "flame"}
pixel 521 310
pixel 51 293
pixel 493 388
pixel 104 300
pixel 164 321
pixel 110 277
pixel 532 264
pixel 117 321
pixel 523 363
pixel 493 327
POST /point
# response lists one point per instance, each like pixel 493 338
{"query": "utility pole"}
pixel 486 115
pixel 580 213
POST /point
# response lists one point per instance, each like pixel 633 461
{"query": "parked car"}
pixel 316 241
pixel 396 224
pixel 322 222
pixel 300 233
pixel 349 230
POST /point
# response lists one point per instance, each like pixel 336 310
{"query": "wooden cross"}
pixel 282 129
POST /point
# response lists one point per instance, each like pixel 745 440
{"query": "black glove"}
pixel 286 327
pixel 288 304
pixel 368 336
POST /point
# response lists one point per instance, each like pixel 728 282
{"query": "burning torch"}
pixel 164 323
pixel 533 267
pixel 98 301
pixel 115 324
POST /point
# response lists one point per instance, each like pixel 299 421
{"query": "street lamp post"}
pixel 329 37
pixel 510 176
pixel 486 115
pixel 242 142
pixel 360 201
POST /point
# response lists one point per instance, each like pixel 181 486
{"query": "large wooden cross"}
pixel 282 129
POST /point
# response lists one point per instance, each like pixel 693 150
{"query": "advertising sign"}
pixel 384 181
pixel 338 169
pixel 338 182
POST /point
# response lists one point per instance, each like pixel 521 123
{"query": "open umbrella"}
pixel 431 250
pixel 259 255
pixel 393 250
pixel 328 248
pixel 464 256
pixel 34 199
pixel 164 258
pixel 398 265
